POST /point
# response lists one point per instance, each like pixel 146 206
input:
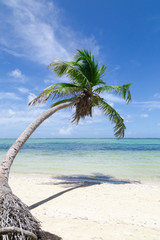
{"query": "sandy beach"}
pixel 77 210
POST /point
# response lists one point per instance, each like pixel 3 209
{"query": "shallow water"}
pixel 134 159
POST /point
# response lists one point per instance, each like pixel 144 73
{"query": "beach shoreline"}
pixel 133 159
pixel 82 210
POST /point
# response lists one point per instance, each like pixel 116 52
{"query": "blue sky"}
pixel 124 35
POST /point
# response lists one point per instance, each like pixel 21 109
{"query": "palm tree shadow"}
pixel 49 236
pixel 79 181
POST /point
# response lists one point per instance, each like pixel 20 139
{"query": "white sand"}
pixel 98 212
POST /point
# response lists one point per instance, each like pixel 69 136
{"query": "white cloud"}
pixel 23 90
pixel 85 122
pixel 9 95
pixel 117 67
pixel 34 30
pixel 31 96
pixel 148 104
pixel 97 111
pixel 128 118
pixel 25 115
pixel 17 74
pixel 156 95
pixel 14 116
pixel 11 112
pixel 111 98
pixel 49 81
pixel 12 52
pixel 130 133
pixel 65 131
pixel 89 121
pixel 144 115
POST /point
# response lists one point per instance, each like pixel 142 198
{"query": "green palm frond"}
pixel 114 117
pixel 95 102
pixel 72 70
pixel 85 77
pixel 101 71
pixel 56 90
pixel 63 88
pixel 122 91
pixel 90 67
pixel 63 101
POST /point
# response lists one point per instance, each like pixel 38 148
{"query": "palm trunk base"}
pixel 16 221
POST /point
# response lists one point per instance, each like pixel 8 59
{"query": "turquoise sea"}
pixel 133 159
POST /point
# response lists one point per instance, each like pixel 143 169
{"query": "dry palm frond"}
pixel 41 98
pixel 16 221
pixel 83 107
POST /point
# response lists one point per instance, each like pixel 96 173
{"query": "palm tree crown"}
pixel 85 86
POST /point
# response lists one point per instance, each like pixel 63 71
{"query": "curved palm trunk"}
pixel 15 148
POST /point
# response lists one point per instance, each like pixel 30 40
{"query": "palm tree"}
pixel 84 93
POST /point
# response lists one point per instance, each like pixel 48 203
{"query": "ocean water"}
pixel 133 159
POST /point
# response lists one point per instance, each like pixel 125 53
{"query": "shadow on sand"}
pixel 78 181
pixel 49 236
pixel 74 182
